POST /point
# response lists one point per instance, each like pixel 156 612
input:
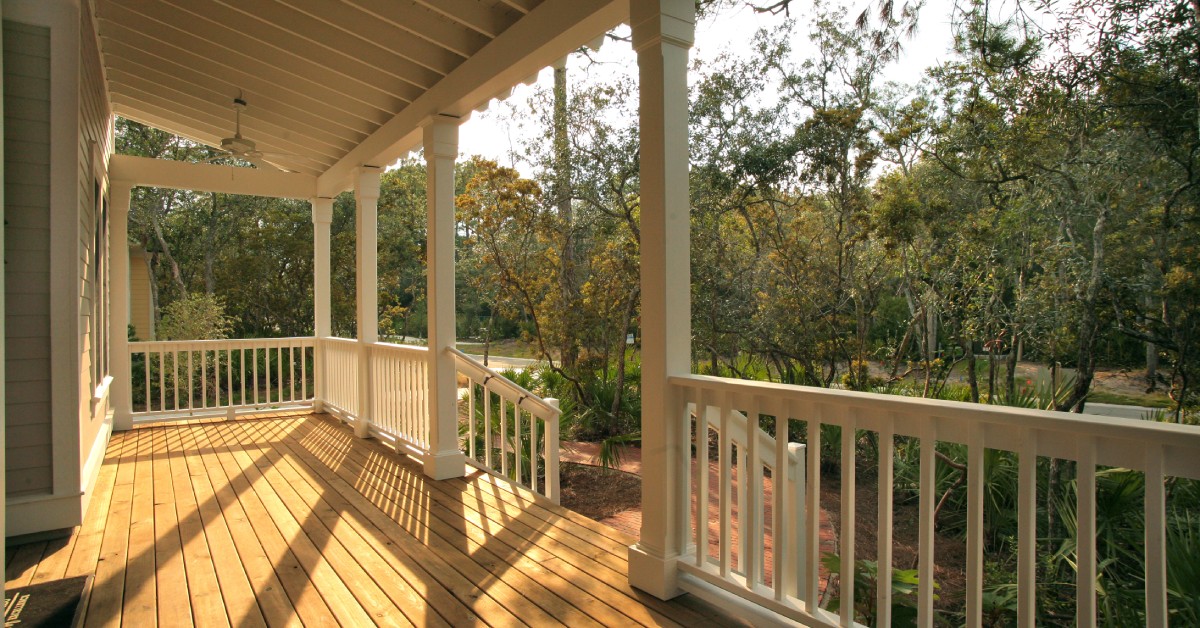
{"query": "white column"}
pixel 322 216
pixel 444 459
pixel 663 31
pixel 122 388
pixel 366 214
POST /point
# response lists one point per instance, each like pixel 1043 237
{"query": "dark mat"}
pixel 57 603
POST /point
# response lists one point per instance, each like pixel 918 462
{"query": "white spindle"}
pixel 1027 529
pixel 533 452
pixel 1085 544
pixel 471 420
pixel 726 505
pixel 702 402
pixel 162 386
pixel 487 425
pixel 846 577
pixel 883 588
pixel 812 574
pixel 975 525
pixel 503 438
pixel 517 444
pixel 552 489
pixel 175 376
pixel 925 558
pixel 203 378
pixel 1156 539
pixel 782 547
pixel 191 388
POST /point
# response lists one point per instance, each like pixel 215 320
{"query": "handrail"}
pixel 486 374
pixel 956 417
pixel 499 431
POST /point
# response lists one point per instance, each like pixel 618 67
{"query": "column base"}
pixel 318 406
pixel 654 575
pixel 445 465
pixel 122 421
pixel 362 428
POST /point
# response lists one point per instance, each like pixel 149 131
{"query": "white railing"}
pixel 791 589
pixel 502 424
pixel 194 378
pixel 729 430
pixel 339 373
pixel 400 387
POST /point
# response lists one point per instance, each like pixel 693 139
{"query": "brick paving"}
pixel 630 521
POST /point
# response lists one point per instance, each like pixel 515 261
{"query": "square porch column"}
pixel 366 220
pixel 122 388
pixel 445 459
pixel 663 31
pixel 322 216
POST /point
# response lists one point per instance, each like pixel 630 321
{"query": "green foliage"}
pixel 866 580
pixel 195 317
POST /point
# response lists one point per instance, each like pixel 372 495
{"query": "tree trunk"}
pixel 162 243
pixel 568 350
pixel 972 378
pixel 619 387
pixel 1089 328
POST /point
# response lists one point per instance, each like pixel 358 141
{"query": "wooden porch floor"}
pixel 290 520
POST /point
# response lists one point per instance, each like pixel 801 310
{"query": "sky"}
pixel 491 135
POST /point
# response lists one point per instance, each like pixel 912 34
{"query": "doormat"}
pixel 56 603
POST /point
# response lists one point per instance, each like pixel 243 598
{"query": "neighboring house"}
pixel 334 91
pixel 141 301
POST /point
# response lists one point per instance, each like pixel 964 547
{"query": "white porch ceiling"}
pixel 336 84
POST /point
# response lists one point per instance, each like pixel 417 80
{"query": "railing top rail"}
pixel 143 344
pixel 338 339
pixel 482 372
pixel 391 346
pixel 1082 424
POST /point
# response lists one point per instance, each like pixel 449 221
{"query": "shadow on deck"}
pixel 286 519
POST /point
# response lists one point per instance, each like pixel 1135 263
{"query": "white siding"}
pixel 28 452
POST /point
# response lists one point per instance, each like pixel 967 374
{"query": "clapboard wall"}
pixel 28 452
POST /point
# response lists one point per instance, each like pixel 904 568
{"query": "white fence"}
pixel 209 377
pixel 1159 450
pixel 507 429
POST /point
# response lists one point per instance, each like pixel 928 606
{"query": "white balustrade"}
pixel 399 405
pixel 339 358
pixel 196 378
pixel 785 580
pixel 508 430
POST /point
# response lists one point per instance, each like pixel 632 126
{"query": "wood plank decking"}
pixel 290 520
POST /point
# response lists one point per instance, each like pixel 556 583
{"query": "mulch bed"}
pixel 598 493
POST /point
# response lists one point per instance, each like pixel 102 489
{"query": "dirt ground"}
pixel 598 493
pixel 949 553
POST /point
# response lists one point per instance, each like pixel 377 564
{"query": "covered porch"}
pixel 287 518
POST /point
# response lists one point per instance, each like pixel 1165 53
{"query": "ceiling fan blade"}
pixel 216 158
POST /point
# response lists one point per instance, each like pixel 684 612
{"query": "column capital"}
pixel 440 137
pixel 662 21
pixel 322 209
pixel 366 182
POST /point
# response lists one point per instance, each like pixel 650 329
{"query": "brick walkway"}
pixel 630 521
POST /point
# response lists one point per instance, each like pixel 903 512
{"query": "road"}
pixel 1114 410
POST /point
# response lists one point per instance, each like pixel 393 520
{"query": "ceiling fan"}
pixel 238 147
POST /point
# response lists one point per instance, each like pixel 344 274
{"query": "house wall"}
pixel 28 452
pixel 95 142
pixel 66 295
pixel 141 310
